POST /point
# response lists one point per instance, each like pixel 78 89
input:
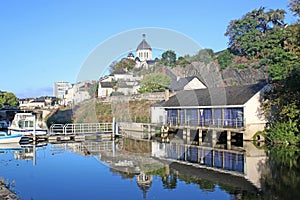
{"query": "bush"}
pixel 284 133
pixel 225 59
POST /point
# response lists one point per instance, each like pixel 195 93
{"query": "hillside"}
pixel 122 110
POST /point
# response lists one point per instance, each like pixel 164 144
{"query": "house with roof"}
pixel 118 81
pixel 235 108
pixel 186 83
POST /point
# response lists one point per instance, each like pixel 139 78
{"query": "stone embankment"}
pixel 6 194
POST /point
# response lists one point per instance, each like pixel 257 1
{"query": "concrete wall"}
pixel 104 92
pixel 158 115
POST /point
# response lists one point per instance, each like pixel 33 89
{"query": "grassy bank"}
pixel 98 111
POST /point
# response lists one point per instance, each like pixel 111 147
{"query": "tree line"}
pixel 8 98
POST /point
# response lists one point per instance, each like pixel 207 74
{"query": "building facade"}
pixel 236 108
pixel 144 50
pixel 60 89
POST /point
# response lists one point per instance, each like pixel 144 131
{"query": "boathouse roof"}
pixel 221 96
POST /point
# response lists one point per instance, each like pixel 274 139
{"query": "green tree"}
pixel 155 82
pixel 225 58
pixel 203 55
pixel 247 36
pixel 295 7
pixel 125 63
pixel 168 58
pixel 183 61
pixel 282 108
pixel 9 98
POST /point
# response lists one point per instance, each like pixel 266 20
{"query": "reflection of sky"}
pixel 71 176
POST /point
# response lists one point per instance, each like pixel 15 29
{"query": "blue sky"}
pixel 44 41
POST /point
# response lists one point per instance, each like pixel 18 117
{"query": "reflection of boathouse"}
pixel 244 162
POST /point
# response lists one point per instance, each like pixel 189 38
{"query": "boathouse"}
pixel 234 108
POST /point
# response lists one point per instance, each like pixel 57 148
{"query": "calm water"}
pixel 133 169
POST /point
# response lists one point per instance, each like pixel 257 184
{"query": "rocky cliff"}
pixel 212 76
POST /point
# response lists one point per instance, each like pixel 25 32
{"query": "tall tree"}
pixel 204 55
pixel 295 7
pixel 155 82
pixel 125 63
pixel 168 58
pixel 247 35
pixel 8 98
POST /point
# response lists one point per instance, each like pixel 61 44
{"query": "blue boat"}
pixel 6 138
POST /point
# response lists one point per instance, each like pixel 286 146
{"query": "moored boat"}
pixel 27 125
pixel 7 138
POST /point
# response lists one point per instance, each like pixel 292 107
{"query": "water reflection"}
pixel 242 172
pixel 237 170
pixel 281 180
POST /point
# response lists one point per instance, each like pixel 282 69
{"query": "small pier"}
pixel 76 132
pixel 82 131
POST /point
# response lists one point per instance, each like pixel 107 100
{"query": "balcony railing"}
pixel 217 123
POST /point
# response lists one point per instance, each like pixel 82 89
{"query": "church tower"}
pixel 143 50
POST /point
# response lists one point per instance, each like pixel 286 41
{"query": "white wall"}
pixel 158 115
pixel 194 84
pixel 141 54
pixel 255 121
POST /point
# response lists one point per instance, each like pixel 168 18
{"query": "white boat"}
pixel 10 146
pixel 27 124
pixel 6 138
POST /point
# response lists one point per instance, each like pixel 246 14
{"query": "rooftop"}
pixel 143 45
pixel 232 95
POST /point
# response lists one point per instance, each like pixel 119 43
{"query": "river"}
pixel 141 169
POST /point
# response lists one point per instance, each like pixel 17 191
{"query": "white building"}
pixel 234 107
pixel 119 81
pixel 144 50
pixel 60 89
pixel 77 94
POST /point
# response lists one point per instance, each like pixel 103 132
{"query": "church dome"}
pixel 130 55
pixel 143 45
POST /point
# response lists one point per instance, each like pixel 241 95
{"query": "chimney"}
pixel 167 94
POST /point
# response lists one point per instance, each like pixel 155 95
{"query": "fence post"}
pixel 113 126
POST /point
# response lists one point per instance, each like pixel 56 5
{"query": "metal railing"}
pixel 81 128
pixel 218 123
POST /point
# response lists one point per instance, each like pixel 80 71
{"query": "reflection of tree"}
pixel 169 181
pixel 124 175
pixel 283 179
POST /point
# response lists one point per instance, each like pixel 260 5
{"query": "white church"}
pixel 143 54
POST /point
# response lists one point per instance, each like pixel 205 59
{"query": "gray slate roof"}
pixel 106 84
pixel 233 95
pixel 143 45
pixel 178 85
